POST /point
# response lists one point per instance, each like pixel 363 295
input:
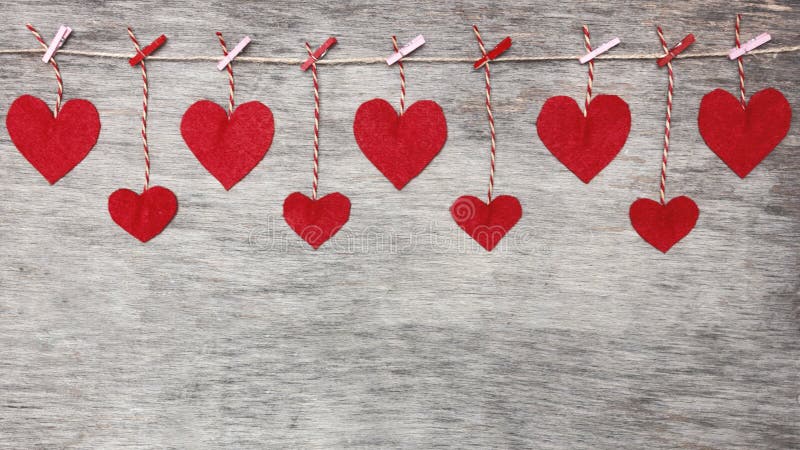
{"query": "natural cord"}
pixel 315 180
pixel 670 91
pixel 742 97
pixel 60 89
pixel 229 66
pixel 402 78
pixel 588 46
pixel 380 60
pixel 145 95
pixel 488 76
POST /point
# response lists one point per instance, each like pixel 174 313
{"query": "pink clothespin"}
pixel 676 50
pixel 61 36
pixel 140 55
pixel 318 53
pixel 233 53
pixel 599 50
pixel 752 44
pixel 406 49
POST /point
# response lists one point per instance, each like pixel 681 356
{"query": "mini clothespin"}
pixel 676 50
pixel 61 36
pixel 145 52
pixel 750 45
pixel 318 53
pixel 405 50
pixel 599 51
pixel 233 53
pixel 501 48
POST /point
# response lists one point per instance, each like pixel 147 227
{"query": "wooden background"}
pixel 227 331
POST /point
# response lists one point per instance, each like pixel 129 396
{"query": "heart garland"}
pixel 53 142
pixel 314 219
pixel 663 224
pixel 229 145
pixel 585 141
pixel 143 216
pixel 487 223
pixel 742 133
pixel 401 145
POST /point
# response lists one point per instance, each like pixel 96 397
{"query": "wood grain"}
pixel 227 332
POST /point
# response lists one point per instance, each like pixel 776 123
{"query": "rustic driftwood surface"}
pixel 228 331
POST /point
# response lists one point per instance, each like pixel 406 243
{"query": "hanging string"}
pixel 488 77
pixel 230 74
pixel 742 97
pixel 60 90
pixel 402 78
pixel 669 116
pixel 145 95
pixel 315 181
pixel 588 46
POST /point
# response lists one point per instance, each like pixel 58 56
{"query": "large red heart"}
pixel 400 145
pixel 742 137
pixel 316 220
pixel 143 216
pixel 662 226
pixel 53 145
pixel 228 147
pixel 584 144
pixel 487 224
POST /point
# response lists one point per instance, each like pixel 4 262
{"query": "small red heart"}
pixel 487 224
pixel 143 216
pixel 53 145
pixel 584 144
pixel 662 226
pixel 228 147
pixel 318 220
pixel 400 146
pixel 742 137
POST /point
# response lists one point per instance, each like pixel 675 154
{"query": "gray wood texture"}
pixel 227 331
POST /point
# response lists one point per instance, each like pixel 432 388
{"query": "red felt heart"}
pixel 318 220
pixel 487 224
pixel 742 137
pixel 228 147
pixel 662 226
pixel 584 144
pixel 400 146
pixel 143 216
pixel 53 145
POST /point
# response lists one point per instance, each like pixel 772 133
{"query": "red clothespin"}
pixel 676 50
pixel 318 53
pixel 140 55
pixel 501 48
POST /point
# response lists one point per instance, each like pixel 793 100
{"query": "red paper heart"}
pixel 487 224
pixel 53 145
pixel 316 221
pixel 584 144
pixel 229 148
pixel 662 226
pixel 743 137
pixel 400 146
pixel 143 216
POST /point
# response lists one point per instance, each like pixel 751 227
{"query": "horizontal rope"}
pixel 380 60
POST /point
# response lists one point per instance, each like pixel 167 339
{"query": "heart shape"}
pixel 143 216
pixel 662 226
pixel 400 145
pixel 53 145
pixel 584 144
pixel 742 137
pixel 487 224
pixel 318 220
pixel 228 147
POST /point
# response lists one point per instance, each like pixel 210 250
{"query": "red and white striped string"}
pixel 588 46
pixel 669 116
pixel 145 95
pixel 315 181
pixel 742 97
pixel 488 77
pixel 231 104
pixel 60 90
pixel 402 78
